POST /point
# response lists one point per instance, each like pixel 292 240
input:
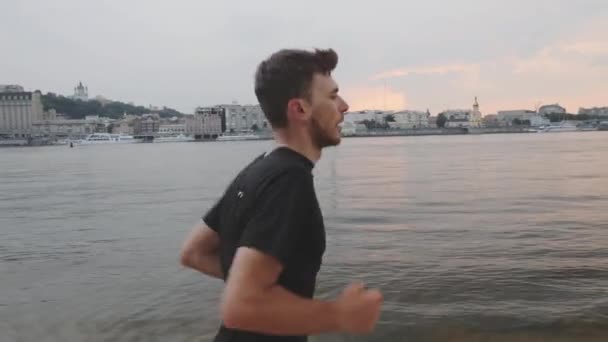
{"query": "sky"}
pixel 436 55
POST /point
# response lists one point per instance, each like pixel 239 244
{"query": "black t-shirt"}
pixel 271 206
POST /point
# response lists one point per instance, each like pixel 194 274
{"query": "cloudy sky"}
pixel 512 54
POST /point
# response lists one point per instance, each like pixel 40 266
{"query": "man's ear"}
pixel 298 110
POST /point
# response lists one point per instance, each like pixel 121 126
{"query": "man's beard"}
pixel 319 137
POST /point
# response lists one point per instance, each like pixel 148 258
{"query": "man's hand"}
pixel 200 251
pixel 358 309
pixel 253 301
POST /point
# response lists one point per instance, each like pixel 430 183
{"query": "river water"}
pixel 471 238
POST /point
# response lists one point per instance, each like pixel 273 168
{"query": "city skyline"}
pixel 416 55
pixel 81 95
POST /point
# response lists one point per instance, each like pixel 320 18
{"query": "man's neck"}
pixel 301 146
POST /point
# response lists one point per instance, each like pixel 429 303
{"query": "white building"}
pixel 11 88
pixel 359 116
pixel 491 120
pixel 349 128
pixel 410 119
pixel 369 115
pixel 244 118
pixel 538 120
pixel 457 118
pixel 205 123
pixel 506 117
pixel 62 127
pixel 551 109
pixel 147 124
pixel 209 120
pixel 124 127
pixel 595 111
pixel 81 92
pixel 463 117
pixel 19 110
pixel 50 115
pixel 172 128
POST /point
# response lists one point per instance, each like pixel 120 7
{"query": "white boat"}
pixel 561 127
pixel 107 138
pixel 13 142
pixel 238 137
pixel 587 128
pixel 173 138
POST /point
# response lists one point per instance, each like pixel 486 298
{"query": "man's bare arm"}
pixel 200 251
pixel 253 301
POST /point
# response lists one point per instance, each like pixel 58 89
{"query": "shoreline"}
pixel 369 134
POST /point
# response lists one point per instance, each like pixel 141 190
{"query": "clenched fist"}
pixel 358 309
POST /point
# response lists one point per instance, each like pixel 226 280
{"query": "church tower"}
pixel 81 92
pixel 475 117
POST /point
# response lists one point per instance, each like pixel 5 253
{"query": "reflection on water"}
pixel 471 238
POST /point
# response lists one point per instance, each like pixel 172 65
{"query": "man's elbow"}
pixel 232 319
pixel 236 313
pixel 185 257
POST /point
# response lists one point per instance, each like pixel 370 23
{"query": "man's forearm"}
pixel 207 264
pixel 278 311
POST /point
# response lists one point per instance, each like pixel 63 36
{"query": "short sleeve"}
pixel 212 217
pixel 279 216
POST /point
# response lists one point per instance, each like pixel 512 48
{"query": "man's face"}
pixel 327 111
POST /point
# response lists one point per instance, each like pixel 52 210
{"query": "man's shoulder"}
pixel 279 171
pixel 277 165
pixel 268 173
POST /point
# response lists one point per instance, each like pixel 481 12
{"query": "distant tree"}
pixel 373 124
pixel 520 122
pixel 389 118
pixel 255 127
pixel 369 124
pixel 557 117
pixel 441 120
pixel 79 109
pixel 584 117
